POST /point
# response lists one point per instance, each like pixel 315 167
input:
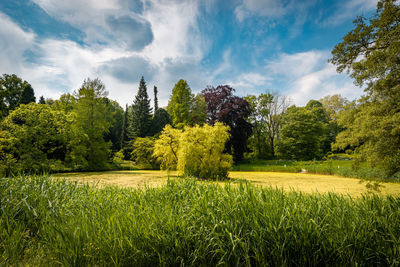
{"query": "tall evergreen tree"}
pixel 124 132
pixel 42 100
pixel 155 99
pixel 141 112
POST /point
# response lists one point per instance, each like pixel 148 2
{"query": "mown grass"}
pixel 345 168
pixel 186 222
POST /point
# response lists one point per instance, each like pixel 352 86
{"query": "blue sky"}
pixel 253 45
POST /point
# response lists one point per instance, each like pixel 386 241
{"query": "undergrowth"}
pixel 187 222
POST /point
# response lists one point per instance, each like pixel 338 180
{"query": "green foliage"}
pixel 198 113
pixel 142 154
pixel 155 99
pixel 89 150
pixel 45 222
pixel 166 147
pixel 33 139
pixel 180 104
pixel 115 131
pixel 196 151
pixel 42 100
pixel 201 150
pixel 369 53
pixel 13 92
pixel 141 113
pixel 266 110
pixel 160 119
pixel 304 132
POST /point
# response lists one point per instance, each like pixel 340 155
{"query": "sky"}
pixel 256 46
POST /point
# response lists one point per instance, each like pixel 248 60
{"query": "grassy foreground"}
pixel 50 222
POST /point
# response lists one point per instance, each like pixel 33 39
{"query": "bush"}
pixel 196 151
pixel 142 154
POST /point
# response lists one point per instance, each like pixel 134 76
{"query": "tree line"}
pixel 86 130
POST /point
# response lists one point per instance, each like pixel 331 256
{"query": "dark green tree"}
pixel 42 100
pixel 155 99
pixel 160 119
pixel 115 131
pixel 141 112
pixel 303 133
pixel 13 92
pixel 370 53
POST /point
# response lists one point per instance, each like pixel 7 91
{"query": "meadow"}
pixel 46 221
pixel 345 167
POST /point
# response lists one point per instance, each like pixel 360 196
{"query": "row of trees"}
pixel 85 129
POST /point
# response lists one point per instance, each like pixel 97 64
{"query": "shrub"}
pixel 142 154
pixel 196 151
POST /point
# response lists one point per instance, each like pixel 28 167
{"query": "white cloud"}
pixel 268 8
pixel 13 43
pixel 308 75
pixel 348 10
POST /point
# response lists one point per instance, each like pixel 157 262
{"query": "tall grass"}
pixel 49 222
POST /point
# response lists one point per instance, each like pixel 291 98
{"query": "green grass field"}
pixel 50 222
pixel 309 183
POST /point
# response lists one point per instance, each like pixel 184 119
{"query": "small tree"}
pixel 142 154
pixel 166 147
pixel 201 152
pixel 196 151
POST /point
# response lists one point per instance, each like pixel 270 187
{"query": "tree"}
pixel 303 133
pixel 13 92
pixel 115 131
pixel 166 147
pixel 370 53
pixel 155 99
pixel 198 112
pixel 141 112
pixel 42 100
pixel 180 104
pixel 36 137
pixel 160 119
pixel 232 110
pixel 197 151
pixel 201 150
pixel 124 131
pixel 266 120
pixel 90 150
pixel 142 153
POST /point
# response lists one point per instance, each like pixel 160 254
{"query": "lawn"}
pixel 303 182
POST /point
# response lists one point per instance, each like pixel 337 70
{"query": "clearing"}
pixel 304 182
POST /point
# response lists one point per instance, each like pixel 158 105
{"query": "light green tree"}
pixel 180 104
pixel 167 146
pixel 142 154
pixel 370 53
pixel 196 151
pixel 92 123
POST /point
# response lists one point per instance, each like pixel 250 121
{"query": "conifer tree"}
pixel 155 99
pixel 141 112
pixel 42 100
pixel 124 132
